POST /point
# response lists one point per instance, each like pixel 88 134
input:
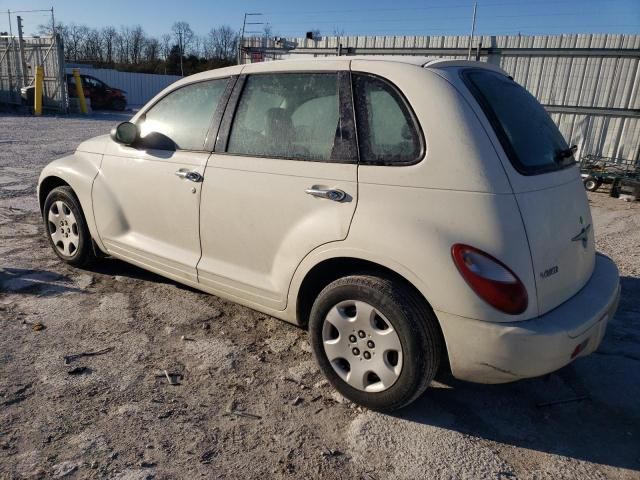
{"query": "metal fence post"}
pixel 39 83
pixel 80 90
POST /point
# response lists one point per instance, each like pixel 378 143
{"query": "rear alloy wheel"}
pixel 362 346
pixel 591 184
pixel 66 227
pixel 376 340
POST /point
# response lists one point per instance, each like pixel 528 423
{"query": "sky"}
pixel 348 17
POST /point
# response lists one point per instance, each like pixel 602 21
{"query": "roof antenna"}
pixel 473 29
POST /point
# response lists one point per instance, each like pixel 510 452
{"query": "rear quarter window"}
pixel 387 130
pixel 529 137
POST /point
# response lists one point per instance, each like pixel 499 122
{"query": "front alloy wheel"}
pixel 66 227
pixel 63 228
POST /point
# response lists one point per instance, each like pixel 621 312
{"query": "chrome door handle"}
pixel 328 193
pixel 191 176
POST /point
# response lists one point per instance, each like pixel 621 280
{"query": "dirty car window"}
pixel 182 118
pixel 291 116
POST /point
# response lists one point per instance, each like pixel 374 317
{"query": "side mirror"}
pixel 126 133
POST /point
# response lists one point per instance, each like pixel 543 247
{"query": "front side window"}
pixel 180 120
pixel 293 115
pixel 387 133
pixel 530 138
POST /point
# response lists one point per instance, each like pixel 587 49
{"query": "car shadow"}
pixel 35 282
pixel 587 411
pixel 115 267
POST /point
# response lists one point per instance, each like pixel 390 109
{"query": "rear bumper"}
pixel 487 352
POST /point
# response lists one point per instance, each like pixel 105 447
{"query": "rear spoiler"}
pixel 446 63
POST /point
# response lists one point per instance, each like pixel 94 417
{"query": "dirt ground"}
pixel 245 399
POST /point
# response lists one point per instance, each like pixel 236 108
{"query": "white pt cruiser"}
pixel 409 213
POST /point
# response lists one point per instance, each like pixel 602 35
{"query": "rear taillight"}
pixel 491 279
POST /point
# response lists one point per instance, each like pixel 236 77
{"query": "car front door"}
pixel 282 181
pixel 146 196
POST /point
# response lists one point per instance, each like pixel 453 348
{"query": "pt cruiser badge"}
pixel 583 236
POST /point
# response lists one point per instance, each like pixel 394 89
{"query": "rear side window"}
pixel 181 119
pixel 387 132
pixel 530 138
pixel 293 116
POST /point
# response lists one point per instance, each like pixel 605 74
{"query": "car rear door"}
pixel 546 183
pixel 146 196
pixel 281 182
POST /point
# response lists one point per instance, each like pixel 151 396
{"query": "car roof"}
pixel 292 64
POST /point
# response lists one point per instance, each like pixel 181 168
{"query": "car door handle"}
pixel 191 176
pixel 328 193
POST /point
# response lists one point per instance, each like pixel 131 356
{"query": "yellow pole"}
pixel 79 90
pixel 37 97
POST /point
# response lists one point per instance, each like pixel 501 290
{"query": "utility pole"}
pixel 473 29
pixel 23 61
pixel 9 48
pixel 244 25
pixel 181 55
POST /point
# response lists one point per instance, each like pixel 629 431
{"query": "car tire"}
pixel 118 104
pixel 66 228
pixel 376 340
pixel 591 184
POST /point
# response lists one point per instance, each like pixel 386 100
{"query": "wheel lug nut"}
pixel 361 334
pixel 370 344
pixel 355 351
pixel 366 355
pixel 352 339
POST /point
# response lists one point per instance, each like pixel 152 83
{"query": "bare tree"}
pixel 165 45
pixel 184 36
pixel 92 47
pixel 47 28
pixel 137 41
pixel 109 36
pixel 197 46
pixel 151 50
pixel 123 45
pixel 221 43
pixel 76 35
pixel 130 45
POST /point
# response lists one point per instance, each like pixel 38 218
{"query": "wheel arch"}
pixel 329 269
pixel 77 171
pixel 326 270
pixel 45 187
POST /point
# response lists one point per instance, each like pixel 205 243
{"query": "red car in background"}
pixel 101 94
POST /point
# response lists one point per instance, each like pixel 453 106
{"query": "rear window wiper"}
pixel 566 153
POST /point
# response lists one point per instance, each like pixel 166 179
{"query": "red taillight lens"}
pixel 491 279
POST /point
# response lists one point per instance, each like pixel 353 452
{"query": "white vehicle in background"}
pixel 408 212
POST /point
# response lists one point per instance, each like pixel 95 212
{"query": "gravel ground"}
pixel 246 399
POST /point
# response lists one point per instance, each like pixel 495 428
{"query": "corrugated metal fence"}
pixel 589 83
pixel 140 87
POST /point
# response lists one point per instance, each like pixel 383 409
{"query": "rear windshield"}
pixel 528 135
